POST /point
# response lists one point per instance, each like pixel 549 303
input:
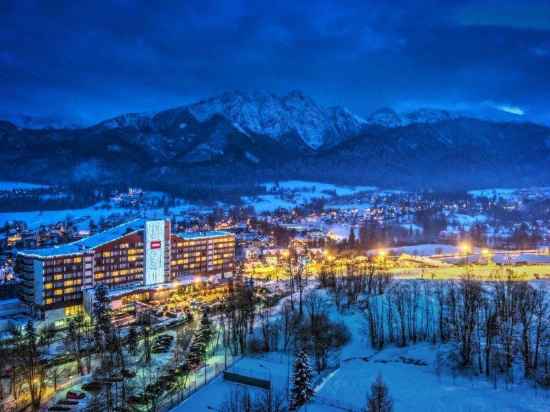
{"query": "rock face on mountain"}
pixel 277 117
pixel 254 136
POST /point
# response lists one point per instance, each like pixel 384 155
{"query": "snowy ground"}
pixel 428 249
pixel 268 203
pixel 499 193
pixel 318 188
pixel 418 388
pixel 7 185
pixel 35 219
pixel 409 372
pixel 413 387
pixel 510 194
pixel 291 193
pixel 272 366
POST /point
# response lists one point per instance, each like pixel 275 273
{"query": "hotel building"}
pixel 198 253
pixel 137 254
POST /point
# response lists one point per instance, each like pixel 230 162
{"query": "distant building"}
pixel 140 253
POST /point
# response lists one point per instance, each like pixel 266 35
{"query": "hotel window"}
pixel 73 310
pixel 58 292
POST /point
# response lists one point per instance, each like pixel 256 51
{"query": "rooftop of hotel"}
pixel 204 234
pixel 91 242
pixel 110 235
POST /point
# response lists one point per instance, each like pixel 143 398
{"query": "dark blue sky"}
pixel 93 59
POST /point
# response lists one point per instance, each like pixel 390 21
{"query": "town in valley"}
pixel 246 206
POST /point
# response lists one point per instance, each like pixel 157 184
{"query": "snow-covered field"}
pixel 418 388
pixel 350 206
pixel 499 193
pixel 410 373
pixel 35 219
pixel 511 193
pixel 318 188
pixel 7 185
pixel 428 249
pixel 291 193
pixel 268 203
pixel 412 387
pixel 272 366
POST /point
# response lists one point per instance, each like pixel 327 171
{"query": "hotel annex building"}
pixel 138 254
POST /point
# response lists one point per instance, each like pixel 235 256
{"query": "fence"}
pixel 247 378
pixel 201 378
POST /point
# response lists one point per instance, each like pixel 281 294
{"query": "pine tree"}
pixel 197 349
pixel 102 310
pixel 379 399
pixel 301 386
pixel 200 341
pixel 351 237
pixel 132 340
pixel 363 236
pixel 206 329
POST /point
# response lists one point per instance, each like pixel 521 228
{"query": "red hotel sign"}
pixel 155 244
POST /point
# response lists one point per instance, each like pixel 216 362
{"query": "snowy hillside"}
pixel 389 118
pixel 277 116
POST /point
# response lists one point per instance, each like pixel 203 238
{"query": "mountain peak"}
pixel 385 117
pixel 428 115
pixel 278 116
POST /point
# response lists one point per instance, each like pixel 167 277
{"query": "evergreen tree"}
pixel 132 340
pixel 200 341
pixel 301 386
pixel 206 329
pixel 379 399
pixel 351 237
pixel 103 328
pixel 146 332
pixel 197 349
pixel 363 236
pixel 102 311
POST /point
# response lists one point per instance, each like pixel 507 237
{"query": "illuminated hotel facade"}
pixel 141 253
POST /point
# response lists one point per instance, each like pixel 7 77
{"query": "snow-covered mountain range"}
pixel 248 134
pixel 278 117
pixel 265 114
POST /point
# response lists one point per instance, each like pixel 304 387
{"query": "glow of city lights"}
pixel 465 247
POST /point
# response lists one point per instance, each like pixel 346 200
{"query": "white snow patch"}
pixel 7 185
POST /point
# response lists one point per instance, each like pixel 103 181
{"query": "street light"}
pixel 465 247
pixel 486 253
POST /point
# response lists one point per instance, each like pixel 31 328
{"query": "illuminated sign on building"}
pixel 154 252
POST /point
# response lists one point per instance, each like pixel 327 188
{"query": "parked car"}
pixel 76 395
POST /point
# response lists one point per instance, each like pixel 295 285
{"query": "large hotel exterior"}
pixel 137 254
